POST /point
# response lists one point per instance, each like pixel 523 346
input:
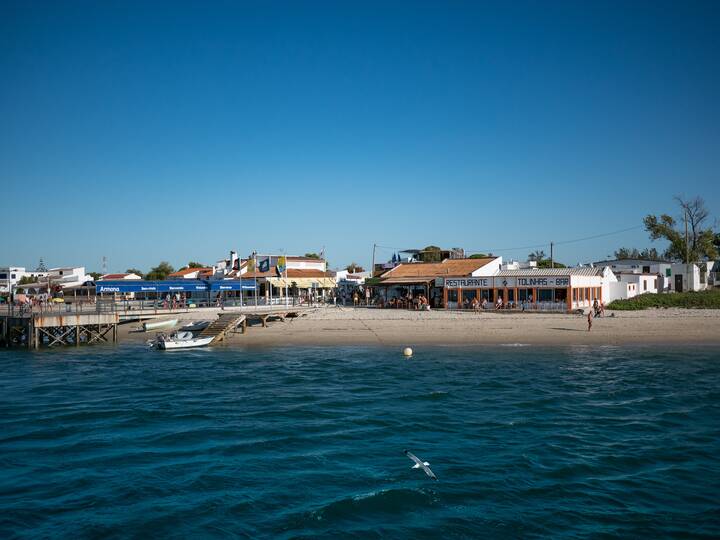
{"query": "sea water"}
pixel 575 442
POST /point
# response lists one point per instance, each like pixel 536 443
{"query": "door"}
pixel 678 283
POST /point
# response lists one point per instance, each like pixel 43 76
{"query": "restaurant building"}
pixel 304 279
pixel 429 279
pixel 533 288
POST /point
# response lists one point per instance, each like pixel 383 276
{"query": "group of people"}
pixel 598 310
pixel 27 302
pixel 178 300
pixel 417 302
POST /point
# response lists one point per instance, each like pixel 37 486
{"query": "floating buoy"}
pixel 407 351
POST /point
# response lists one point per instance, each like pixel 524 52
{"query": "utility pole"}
pixel 552 261
pixel 687 250
pixel 372 268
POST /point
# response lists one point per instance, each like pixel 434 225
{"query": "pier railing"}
pixel 127 307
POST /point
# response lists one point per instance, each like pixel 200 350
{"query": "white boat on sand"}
pixel 195 326
pixel 159 325
pixel 181 340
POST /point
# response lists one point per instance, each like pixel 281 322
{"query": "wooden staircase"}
pixel 219 327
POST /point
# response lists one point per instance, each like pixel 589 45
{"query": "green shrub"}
pixel 709 299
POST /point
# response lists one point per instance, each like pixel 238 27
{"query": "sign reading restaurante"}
pixel 552 282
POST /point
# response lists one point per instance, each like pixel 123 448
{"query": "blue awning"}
pixel 232 285
pixel 137 285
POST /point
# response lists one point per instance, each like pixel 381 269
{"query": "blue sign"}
pixel 183 285
pixel 138 285
pixel 233 285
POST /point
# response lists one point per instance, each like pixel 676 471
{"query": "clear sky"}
pixel 148 131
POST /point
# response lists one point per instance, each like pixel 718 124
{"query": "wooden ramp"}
pixel 219 327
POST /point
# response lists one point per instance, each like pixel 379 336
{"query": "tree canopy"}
pixel 161 271
pixel 95 275
pixel 478 256
pixel 700 242
pixel 134 271
pixel 26 279
pixel 648 254
pixel 431 254
pixel 354 268
pixel 193 264
pixel 312 255
pixel 538 256
pixel 546 263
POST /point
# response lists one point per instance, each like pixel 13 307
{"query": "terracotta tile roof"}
pixel 186 271
pixel 307 273
pixel 448 267
pixel 531 272
pixel 114 276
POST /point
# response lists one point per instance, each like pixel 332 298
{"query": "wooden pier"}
pixel 35 330
pixel 222 325
pixel 62 326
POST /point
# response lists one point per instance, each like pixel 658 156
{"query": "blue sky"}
pixel 148 131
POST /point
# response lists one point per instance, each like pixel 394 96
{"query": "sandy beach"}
pixel 361 326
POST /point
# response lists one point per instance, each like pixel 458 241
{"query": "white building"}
pixel 631 284
pixel 670 276
pixel 11 275
pixel 68 276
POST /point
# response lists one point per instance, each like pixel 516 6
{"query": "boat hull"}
pixel 169 344
pixel 157 325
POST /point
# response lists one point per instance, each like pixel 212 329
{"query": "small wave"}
pixel 384 501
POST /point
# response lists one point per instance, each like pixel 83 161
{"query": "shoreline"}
pixel 348 326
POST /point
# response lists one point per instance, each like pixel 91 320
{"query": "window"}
pixel 668 272
pixel 452 295
pixel 546 295
pixel 644 284
pixel 646 269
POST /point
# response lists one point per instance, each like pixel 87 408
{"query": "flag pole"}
pixel 286 282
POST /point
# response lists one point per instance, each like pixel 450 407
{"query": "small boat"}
pixel 182 340
pixel 195 326
pixel 158 325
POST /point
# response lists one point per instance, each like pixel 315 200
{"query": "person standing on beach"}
pixel 590 318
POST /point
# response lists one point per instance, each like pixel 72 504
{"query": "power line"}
pixel 539 245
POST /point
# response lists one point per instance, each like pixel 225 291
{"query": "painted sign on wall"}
pixel 552 282
pixel 469 283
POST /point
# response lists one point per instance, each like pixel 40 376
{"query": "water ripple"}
pixel 307 443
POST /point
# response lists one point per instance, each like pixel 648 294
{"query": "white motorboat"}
pixel 195 326
pixel 182 340
pixel 159 325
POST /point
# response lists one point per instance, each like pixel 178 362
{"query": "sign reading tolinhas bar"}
pixel 510 282
pixel 552 282
pixel 469 283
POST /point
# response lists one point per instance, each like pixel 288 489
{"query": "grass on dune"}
pixel 709 299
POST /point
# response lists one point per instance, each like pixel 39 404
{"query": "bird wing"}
pixel 414 458
pixel 429 472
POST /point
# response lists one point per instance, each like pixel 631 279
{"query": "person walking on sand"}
pixel 590 318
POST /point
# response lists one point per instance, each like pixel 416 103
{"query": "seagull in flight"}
pixel 420 464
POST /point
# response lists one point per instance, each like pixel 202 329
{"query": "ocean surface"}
pixel 576 442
